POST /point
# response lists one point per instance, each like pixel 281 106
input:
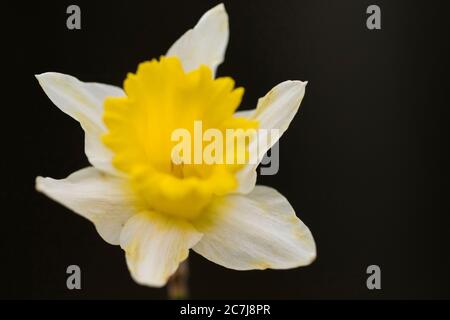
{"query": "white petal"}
pixel 279 106
pixel 155 246
pixel 101 198
pixel 246 178
pixel 245 113
pixel 256 231
pixel 83 102
pixel 274 111
pixel 205 43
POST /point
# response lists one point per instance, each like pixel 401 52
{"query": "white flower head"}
pixel 157 210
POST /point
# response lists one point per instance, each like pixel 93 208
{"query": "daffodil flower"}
pixel 155 210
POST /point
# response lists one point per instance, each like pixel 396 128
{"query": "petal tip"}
pixel 39 183
pixel 45 79
pixel 44 75
pixel 311 257
pixel 148 283
pixel 40 77
pixel 219 8
pixel 42 184
pixel 311 254
pixel 299 83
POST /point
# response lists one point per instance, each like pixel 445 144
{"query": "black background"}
pixel 364 161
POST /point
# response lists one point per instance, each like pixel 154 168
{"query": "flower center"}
pixel 160 99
